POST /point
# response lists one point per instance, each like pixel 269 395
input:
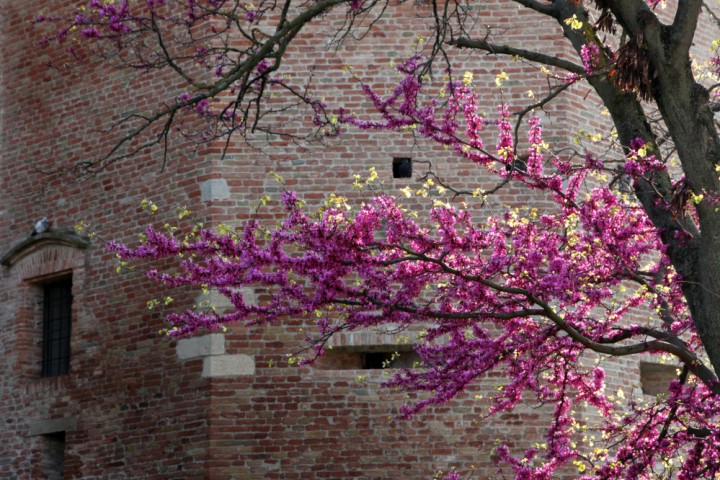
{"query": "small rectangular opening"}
pixel 369 358
pixel 402 167
pixel 655 378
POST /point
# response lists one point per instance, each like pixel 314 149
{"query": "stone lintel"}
pixel 44 427
pixel 201 346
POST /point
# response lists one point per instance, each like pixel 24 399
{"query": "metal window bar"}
pixel 57 319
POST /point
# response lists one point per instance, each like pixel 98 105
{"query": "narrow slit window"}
pixel 369 358
pixel 57 320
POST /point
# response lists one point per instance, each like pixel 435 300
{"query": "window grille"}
pixel 57 313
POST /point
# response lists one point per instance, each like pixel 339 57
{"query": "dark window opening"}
pixel 369 358
pixel 57 313
pixel 402 167
pixel 655 378
pixel 378 360
pixel 53 456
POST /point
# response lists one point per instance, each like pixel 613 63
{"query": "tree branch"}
pixel 668 345
pixel 683 29
pixel 693 362
pixel 464 42
pixel 524 312
pixel 270 47
pixel 712 14
pixel 632 14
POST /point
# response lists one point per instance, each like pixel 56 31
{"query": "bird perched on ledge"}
pixel 42 225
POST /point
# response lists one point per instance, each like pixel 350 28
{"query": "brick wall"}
pixel 137 405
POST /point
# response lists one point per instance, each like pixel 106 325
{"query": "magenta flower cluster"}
pixel 590 54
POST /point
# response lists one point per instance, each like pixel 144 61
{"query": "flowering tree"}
pixel 527 292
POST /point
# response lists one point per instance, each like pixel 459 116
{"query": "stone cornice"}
pixel 33 243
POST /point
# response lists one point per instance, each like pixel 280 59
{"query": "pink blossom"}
pixel 590 54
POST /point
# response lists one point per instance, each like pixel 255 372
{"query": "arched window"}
pixel 44 272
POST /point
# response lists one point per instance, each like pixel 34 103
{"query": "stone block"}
pixel 204 346
pixel 214 298
pixel 228 366
pixel 214 189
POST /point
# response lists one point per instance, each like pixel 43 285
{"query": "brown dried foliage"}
pixel 606 22
pixel 679 200
pixel 633 71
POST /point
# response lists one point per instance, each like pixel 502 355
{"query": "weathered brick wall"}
pixel 137 405
pixel 137 411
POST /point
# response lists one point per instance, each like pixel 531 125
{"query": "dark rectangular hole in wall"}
pixel 655 378
pixel 378 360
pixel 369 358
pixel 402 167
pixel 53 457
